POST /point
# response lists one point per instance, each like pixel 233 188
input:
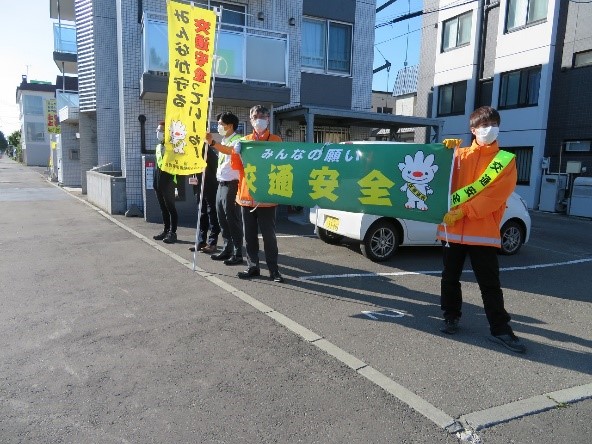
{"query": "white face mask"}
pixel 221 131
pixel 486 135
pixel 260 125
pixel 160 136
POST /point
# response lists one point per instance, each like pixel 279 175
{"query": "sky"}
pixel 27 49
pixel 397 43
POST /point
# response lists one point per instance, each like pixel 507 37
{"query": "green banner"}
pixel 408 181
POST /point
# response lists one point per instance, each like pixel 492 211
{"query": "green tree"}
pixel 15 138
pixel 3 142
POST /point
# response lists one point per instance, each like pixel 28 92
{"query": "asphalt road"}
pixel 108 336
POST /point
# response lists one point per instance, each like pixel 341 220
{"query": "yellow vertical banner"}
pixel 51 117
pixel 191 33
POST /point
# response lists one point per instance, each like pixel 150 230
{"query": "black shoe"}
pixel 160 236
pixel 170 238
pixel 276 276
pixel 234 260
pixel 209 249
pixel 449 326
pixel 222 256
pixel 510 341
pixel 249 273
pixel 199 247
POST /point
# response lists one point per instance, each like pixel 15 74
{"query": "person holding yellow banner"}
pixel 471 227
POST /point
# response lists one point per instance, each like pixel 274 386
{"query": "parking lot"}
pixel 385 316
pixel 344 341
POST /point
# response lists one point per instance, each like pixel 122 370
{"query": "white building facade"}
pixel 277 53
pixel 503 54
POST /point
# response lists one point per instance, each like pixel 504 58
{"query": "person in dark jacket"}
pixel 209 217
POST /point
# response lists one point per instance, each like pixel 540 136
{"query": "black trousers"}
pixel 228 218
pixel 486 268
pixel 164 186
pixel 208 220
pixel 260 219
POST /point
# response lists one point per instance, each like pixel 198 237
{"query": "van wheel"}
pixel 381 241
pixel 512 236
pixel 328 236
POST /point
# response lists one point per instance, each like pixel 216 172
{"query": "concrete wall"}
pixel 88 145
pixel 69 173
pixel 107 191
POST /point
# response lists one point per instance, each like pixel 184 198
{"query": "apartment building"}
pixel 401 102
pixel 308 61
pixel 33 98
pixel 530 59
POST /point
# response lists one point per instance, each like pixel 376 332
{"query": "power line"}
pixel 430 25
pixel 414 14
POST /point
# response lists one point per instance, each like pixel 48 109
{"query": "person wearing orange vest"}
pixel 164 185
pixel 257 216
pixel 472 228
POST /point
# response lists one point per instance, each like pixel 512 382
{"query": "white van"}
pixel 380 236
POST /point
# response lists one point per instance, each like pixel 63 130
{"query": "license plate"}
pixel 331 223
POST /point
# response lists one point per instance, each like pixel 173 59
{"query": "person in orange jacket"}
pixel 257 216
pixel 472 228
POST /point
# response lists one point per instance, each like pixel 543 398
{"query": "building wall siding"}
pixel 571 96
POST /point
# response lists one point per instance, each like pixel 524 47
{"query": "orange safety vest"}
pixel 243 197
pixel 483 212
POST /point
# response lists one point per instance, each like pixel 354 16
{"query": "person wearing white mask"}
pixel 164 185
pixel 257 216
pixel 228 212
pixel 472 227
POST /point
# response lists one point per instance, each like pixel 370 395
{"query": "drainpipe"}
pixel 140 11
pixel 310 118
pixel 482 40
pixel 479 53
pixel 142 119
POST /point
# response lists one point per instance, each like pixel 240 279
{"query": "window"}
pixel 232 14
pixel 384 110
pixel 35 132
pixel 520 88
pixel 33 105
pixel 522 13
pixel 577 145
pixel 582 59
pixel 523 163
pixel 326 45
pixel 156 51
pixel 326 134
pixel 457 31
pixel 451 99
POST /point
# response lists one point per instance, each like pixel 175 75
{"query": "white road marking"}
pixel 411 273
pixel 374 314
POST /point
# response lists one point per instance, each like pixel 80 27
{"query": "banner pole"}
pixel 218 12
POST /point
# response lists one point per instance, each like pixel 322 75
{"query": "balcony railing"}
pixel 67 103
pixel 64 38
pixel 242 53
pixel 67 98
